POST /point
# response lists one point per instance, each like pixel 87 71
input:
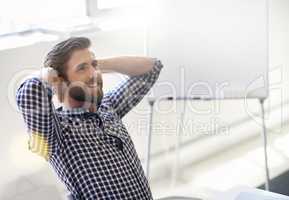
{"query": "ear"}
pixel 59 80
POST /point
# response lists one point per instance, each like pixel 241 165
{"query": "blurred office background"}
pixel 212 153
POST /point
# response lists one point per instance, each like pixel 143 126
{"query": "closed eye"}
pixel 81 66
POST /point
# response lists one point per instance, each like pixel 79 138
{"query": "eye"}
pixel 81 67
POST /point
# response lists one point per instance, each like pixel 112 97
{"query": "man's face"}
pixel 85 80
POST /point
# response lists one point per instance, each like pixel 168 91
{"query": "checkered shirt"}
pixel 91 152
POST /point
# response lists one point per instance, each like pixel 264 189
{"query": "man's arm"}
pixel 34 100
pixel 142 74
pixel 128 65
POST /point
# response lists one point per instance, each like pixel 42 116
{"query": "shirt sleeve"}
pixel 34 100
pixel 132 90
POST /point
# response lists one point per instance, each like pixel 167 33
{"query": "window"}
pixel 31 21
pixel 105 4
pixel 17 16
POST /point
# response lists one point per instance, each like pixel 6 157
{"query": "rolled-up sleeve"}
pixel 131 91
pixel 34 100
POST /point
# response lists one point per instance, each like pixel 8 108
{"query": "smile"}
pixel 92 86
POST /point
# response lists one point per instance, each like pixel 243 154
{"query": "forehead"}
pixel 80 56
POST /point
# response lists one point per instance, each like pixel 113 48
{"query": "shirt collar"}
pixel 79 112
pixel 63 110
pixel 72 111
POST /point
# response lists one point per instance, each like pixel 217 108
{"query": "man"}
pixel 85 140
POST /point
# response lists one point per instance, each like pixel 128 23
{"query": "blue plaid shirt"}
pixel 92 153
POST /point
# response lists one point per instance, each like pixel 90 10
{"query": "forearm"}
pixel 128 65
pixel 34 102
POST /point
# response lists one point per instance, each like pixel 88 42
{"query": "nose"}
pixel 95 75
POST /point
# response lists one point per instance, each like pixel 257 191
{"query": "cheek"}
pixel 96 92
pixel 76 76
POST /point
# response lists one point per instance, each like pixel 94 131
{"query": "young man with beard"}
pixel 85 140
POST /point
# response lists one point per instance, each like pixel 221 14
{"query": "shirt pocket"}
pixel 114 126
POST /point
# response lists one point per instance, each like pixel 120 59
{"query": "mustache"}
pixel 95 82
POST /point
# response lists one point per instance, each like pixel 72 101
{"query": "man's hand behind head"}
pixel 50 75
pixel 57 83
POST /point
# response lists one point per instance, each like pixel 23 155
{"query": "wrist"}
pixel 103 65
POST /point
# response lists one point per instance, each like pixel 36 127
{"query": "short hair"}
pixel 59 55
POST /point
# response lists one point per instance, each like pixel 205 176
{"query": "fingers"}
pixel 50 75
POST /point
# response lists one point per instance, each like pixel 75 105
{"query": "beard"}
pixel 79 94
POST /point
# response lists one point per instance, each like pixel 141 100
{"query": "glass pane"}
pixel 17 15
pixel 116 3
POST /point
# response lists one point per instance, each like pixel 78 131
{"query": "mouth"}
pixel 92 85
pixel 95 84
